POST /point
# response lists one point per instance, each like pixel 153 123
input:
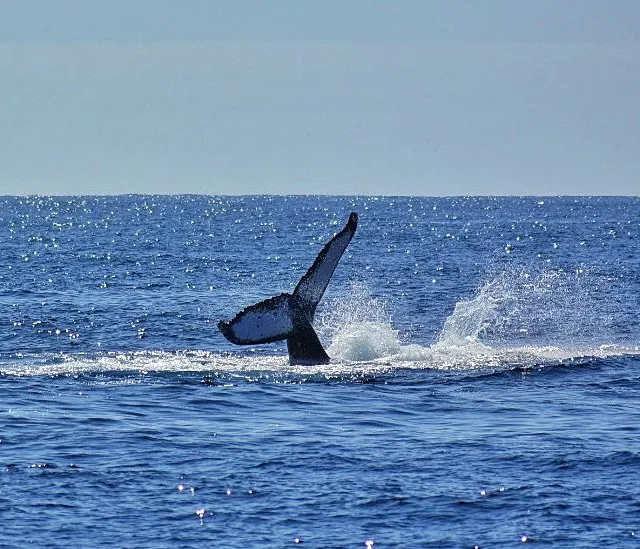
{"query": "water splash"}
pixel 364 341
pixel 470 319
pixel 523 306
pixel 358 326
pixel 525 318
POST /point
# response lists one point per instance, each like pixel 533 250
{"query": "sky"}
pixel 357 97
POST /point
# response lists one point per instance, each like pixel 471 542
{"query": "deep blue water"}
pixel 484 388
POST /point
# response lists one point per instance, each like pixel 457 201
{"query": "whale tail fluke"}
pixel 312 285
pixel 289 316
pixel 265 322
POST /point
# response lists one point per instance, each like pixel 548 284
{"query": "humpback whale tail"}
pixel 289 316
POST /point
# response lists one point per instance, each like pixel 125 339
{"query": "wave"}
pixel 517 319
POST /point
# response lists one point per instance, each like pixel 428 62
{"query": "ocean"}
pixel 484 387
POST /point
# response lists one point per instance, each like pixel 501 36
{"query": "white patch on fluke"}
pixel 267 321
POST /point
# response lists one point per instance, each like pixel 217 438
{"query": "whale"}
pixel 290 315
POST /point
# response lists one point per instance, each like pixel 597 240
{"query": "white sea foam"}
pixel 414 357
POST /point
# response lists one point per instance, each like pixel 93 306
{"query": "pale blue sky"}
pixel 410 97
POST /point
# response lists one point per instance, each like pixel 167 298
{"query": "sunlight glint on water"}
pixel 483 390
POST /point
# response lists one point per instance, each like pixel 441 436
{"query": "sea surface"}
pixel 484 389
